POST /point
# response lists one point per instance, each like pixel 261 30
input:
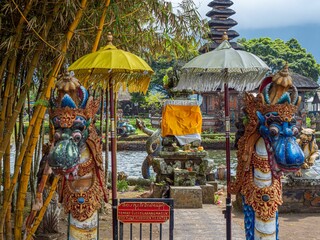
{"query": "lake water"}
pixel 130 162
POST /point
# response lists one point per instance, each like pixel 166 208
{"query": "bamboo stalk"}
pixel 1 193
pixel 20 135
pixel 8 227
pixel 3 65
pixel 6 185
pixel 98 36
pixel 24 180
pixel 12 65
pixel 37 159
pixel 24 92
pixel 43 209
pixel 5 100
pixel 2 68
pixel 27 165
pixel 39 196
pixel 12 121
pixel 6 141
pixel 94 48
pixel 100 28
pixel 28 107
pixel 39 111
pixel 64 48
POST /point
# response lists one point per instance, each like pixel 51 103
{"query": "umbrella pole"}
pixel 113 163
pixel 106 160
pixel 227 123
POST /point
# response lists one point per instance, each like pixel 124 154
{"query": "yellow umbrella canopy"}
pixel 126 69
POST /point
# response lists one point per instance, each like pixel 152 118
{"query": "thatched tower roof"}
pixel 304 83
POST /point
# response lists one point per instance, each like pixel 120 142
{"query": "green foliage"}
pixel 153 28
pixel 216 199
pixel 308 122
pixel 46 127
pixel 122 185
pixel 166 77
pixel 147 122
pixel 173 74
pixel 42 102
pixel 139 188
pixel 166 73
pixel 276 52
pixel 245 120
pixel 138 98
pixel 160 67
pixel 154 100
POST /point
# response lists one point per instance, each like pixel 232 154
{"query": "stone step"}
pixel 186 196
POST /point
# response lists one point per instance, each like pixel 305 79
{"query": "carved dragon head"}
pixel 277 124
pixel 71 113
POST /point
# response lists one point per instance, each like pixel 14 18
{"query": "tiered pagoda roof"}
pixel 219 23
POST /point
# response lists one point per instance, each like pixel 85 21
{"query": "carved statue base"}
pixel 182 168
pixel 83 230
pixel 302 194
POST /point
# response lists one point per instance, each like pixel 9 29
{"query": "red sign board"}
pixel 143 212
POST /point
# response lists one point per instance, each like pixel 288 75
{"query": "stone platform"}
pixel 186 196
pixel 302 194
pixel 193 196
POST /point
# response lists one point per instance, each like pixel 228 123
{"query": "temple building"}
pixel 212 106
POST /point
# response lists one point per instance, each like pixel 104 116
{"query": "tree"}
pixel 160 67
pixel 150 28
pixel 154 101
pixel 276 52
pixel 39 37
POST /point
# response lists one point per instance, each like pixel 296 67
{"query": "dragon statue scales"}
pixel 266 150
pixel 75 153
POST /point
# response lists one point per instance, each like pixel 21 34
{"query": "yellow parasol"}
pixel 113 68
pixel 124 68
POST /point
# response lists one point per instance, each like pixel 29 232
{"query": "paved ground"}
pixel 208 223
pixel 205 223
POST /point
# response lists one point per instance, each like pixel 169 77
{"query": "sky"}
pixel 283 19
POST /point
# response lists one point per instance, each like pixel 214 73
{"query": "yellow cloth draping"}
pixel 181 120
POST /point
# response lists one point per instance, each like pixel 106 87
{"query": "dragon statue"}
pixel 266 150
pixel 153 146
pixel 75 153
pixel 308 144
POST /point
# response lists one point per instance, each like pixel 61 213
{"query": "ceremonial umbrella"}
pixel 222 68
pixel 113 68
